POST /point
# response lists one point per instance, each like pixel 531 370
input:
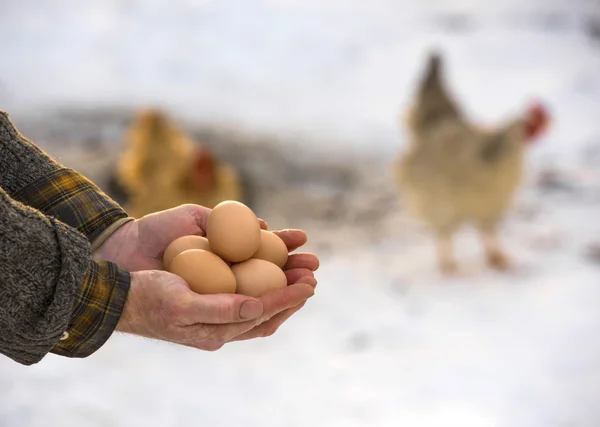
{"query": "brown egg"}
pixel 183 244
pixel 233 231
pixel 256 277
pixel 205 272
pixel 272 249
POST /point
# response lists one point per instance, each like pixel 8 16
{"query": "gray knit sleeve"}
pixel 42 265
pixel 32 177
pixel 21 161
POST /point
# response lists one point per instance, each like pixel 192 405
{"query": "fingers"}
pixel 282 299
pixel 220 308
pixel 293 239
pixel 198 212
pixel 309 280
pixel 271 325
pixel 302 260
pixel 273 303
pixel 268 328
pixel 263 224
pixel 297 274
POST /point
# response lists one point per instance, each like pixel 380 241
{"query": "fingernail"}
pixel 251 310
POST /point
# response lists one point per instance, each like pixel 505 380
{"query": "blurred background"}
pixel 299 106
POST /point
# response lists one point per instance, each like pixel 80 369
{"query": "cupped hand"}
pixel 140 244
pixel 160 305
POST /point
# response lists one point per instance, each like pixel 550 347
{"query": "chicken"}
pixel 455 173
pixel 162 168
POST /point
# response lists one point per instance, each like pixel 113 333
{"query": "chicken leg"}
pixel 495 256
pixel 446 262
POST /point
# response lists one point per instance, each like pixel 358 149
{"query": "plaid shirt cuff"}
pixel 97 310
pixel 74 200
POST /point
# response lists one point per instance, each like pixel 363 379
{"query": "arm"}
pixel 33 178
pixel 53 298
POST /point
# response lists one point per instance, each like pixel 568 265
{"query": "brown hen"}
pixel 162 168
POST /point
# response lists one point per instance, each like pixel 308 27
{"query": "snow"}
pixel 386 341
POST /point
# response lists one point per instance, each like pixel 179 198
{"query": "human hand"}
pixel 140 244
pixel 160 305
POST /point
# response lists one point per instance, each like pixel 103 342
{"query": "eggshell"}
pixel 272 249
pixel 233 231
pixel 255 277
pixel 182 244
pixel 205 272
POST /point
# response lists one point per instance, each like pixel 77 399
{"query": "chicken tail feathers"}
pixel 433 103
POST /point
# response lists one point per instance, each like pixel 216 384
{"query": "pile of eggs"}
pixel 236 256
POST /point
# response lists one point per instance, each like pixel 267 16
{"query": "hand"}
pixel 140 244
pixel 160 305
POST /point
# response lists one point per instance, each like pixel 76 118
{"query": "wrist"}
pixel 134 318
pixel 130 315
pixel 109 231
pixel 116 245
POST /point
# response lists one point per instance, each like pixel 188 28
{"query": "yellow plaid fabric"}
pixel 72 199
pixel 97 310
pixel 76 201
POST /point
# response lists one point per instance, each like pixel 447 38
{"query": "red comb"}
pixel 203 169
pixel 537 121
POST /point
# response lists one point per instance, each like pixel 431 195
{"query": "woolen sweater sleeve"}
pixel 53 297
pixel 32 177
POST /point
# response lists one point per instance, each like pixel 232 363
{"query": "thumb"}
pixel 161 228
pixel 198 213
pixel 221 308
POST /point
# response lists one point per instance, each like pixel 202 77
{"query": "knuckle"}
pixel 200 333
pixel 218 336
pixel 248 327
pixel 208 335
pixel 226 311
pixel 266 317
pixel 212 332
pixel 193 336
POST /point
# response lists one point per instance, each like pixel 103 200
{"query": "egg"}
pixel 204 271
pixel 233 231
pixel 272 249
pixel 255 277
pixel 182 244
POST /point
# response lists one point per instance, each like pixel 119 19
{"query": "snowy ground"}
pixel 386 341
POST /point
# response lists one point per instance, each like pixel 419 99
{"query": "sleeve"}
pixel 53 297
pixel 33 178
